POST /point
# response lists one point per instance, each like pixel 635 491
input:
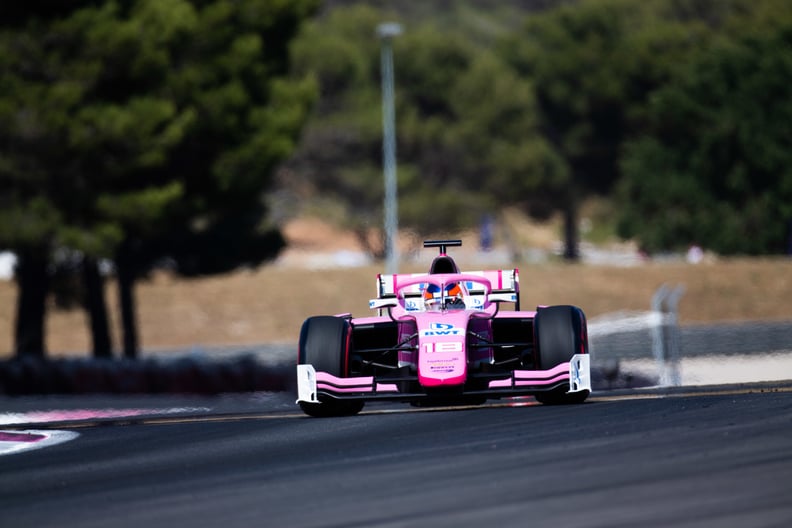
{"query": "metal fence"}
pixel 655 336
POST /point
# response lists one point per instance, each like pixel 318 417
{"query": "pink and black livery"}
pixel 443 337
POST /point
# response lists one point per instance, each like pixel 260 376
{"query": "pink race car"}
pixel 443 339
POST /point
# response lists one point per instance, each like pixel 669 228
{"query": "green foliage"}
pixel 593 64
pixel 601 69
pixel 138 117
pixel 714 166
pixel 465 124
pixel 490 112
pixel 122 118
pixel 516 107
pixel 142 129
pixel 68 121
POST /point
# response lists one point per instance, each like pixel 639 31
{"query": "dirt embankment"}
pixel 269 304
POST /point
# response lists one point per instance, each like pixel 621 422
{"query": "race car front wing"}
pixel 575 375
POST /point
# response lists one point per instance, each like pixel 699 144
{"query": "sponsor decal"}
pixel 445 346
pixel 413 306
pixel 442 329
pixel 442 365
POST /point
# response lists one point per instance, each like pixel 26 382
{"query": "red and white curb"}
pixel 26 440
pixel 31 417
pixel 17 441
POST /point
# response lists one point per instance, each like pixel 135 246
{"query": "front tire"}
pixel 560 333
pixel 325 342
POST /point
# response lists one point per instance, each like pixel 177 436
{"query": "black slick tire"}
pixel 560 333
pixel 324 343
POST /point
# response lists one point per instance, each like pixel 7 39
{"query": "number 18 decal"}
pixel 445 346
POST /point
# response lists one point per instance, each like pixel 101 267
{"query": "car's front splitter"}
pixel 574 375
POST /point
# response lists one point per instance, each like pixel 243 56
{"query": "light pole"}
pixel 386 33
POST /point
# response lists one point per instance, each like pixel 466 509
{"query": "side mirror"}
pixel 502 297
pixel 387 302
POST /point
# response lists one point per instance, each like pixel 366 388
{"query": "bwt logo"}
pixel 442 329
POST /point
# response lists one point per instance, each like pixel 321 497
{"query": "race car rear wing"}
pixel 502 281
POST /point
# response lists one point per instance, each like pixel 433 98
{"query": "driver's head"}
pixel 432 298
pixel 450 298
pixel 453 290
pixel 454 296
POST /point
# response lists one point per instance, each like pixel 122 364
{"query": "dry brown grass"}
pixel 269 304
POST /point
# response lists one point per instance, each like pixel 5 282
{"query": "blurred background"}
pixel 198 176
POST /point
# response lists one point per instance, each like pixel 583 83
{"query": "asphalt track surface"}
pixel 719 456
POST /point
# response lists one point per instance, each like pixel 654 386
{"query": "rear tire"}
pixel 324 343
pixel 560 333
